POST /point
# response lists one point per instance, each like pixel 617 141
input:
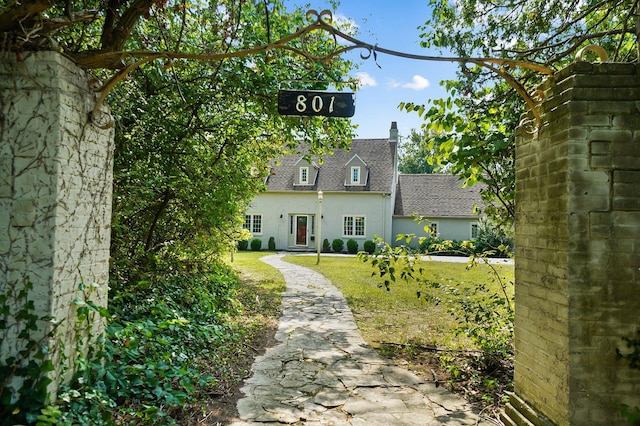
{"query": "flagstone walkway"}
pixel 323 373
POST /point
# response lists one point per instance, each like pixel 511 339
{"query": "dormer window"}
pixel 356 172
pixel 304 175
pixel 355 175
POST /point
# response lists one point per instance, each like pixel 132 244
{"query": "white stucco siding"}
pixel 448 228
pixel 376 209
pixel 277 208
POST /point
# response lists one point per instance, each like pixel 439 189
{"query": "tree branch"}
pixel 581 16
pixel 578 41
pixel 16 12
pixel 55 24
pixel 162 206
pixel 109 19
pixel 115 35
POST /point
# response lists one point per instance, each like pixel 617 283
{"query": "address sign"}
pixel 311 102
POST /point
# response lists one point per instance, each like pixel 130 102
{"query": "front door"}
pixel 301 230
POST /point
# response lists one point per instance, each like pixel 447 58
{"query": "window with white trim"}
pixel 304 175
pixel 253 223
pixel 475 230
pixel 353 226
pixel 433 229
pixel 355 175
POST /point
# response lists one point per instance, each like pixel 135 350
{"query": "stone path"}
pixel 323 373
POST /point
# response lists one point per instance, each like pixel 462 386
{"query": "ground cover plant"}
pixel 178 349
pixel 175 351
pixel 432 325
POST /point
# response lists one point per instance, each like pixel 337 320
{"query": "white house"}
pixel 356 194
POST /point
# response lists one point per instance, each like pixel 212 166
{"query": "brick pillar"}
pixel 578 249
pixel 55 200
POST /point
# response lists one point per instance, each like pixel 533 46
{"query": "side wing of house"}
pixel 447 209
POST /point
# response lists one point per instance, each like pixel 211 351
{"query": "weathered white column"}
pixel 55 201
pixel 578 250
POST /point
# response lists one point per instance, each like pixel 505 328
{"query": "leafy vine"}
pixel 631 414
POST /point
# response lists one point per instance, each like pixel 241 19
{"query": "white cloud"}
pixel 393 84
pixel 365 80
pixel 418 82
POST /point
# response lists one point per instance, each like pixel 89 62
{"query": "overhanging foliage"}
pixel 473 129
pixel 193 137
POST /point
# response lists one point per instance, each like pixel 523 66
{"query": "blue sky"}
pixel 392 25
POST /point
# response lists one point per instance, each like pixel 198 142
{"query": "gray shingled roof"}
pixel 435 195
pixel 378 154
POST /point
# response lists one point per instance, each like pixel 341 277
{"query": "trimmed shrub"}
pixel 352 246
pixel 437 247
pixel 256 244
pixel 427 245
pixel 272 244
pixel 326 247
pixel 337 245
pixel 243 245
pixel 493 240
pixel 369 246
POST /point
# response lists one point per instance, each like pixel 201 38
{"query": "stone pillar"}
pixel 55 202
pixel 578 249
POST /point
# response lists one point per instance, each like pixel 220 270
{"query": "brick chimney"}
pixel 393 132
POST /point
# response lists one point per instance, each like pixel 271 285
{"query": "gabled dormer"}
pixel 357 172
pixel 306 173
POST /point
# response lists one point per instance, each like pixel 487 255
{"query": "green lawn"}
pixel 262 286
pixel 399 315
pixel 422 333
